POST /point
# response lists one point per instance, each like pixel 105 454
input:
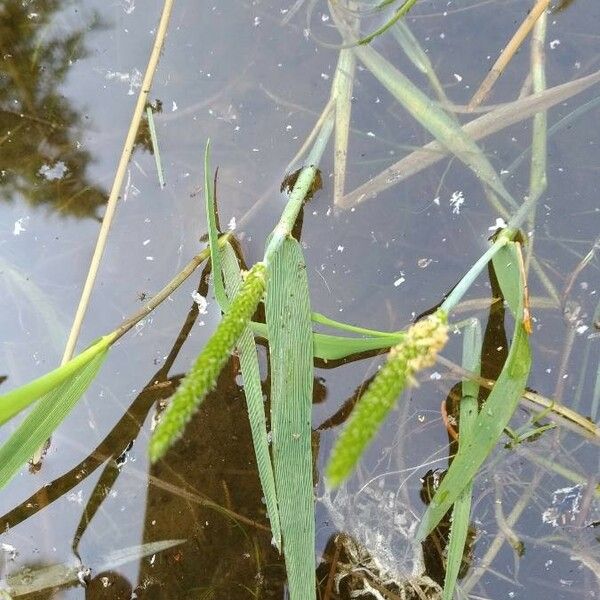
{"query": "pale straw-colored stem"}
pixel 118 182
pixel 509 51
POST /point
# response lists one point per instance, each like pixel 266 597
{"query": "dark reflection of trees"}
pixel 38 127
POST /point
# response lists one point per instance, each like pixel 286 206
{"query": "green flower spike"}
pixel 202 377
pixel 417 351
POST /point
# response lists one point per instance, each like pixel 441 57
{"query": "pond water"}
pixel 254 77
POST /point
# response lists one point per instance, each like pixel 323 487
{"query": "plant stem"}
pixel 301 188
pixel 118 181
pixel 166 291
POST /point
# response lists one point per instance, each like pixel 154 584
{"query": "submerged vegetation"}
pixel 270 302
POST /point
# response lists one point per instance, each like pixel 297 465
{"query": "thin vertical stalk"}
pixel 118 181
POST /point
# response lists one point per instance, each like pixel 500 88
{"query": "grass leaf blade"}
pixel 254 398
pixel 291 354
pixel 20 398
pixel 45 417
pixel 468 414
pixel 495 413
pixel 213 234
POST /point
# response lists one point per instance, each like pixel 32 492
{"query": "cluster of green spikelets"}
pixel 202 376
pixel 417 351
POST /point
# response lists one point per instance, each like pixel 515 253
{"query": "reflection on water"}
pixel 234 73
pixel 42 159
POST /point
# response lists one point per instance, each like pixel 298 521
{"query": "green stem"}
pixel 465 283
pixel 299 192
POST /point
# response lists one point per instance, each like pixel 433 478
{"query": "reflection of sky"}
pixel 209 84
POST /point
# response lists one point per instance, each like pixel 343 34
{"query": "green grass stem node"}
pixel 203 375
pixel 417 351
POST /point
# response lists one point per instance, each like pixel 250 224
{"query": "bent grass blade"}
pixel 500 405
pixel 468 414
pixel 20 398
pixel 45 417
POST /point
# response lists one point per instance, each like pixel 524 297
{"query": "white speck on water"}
pixel 435 376
pixel 18 227
pixel 370 134
pixel 53 172
pixel 456 201
pixel 499 224
pixel 256 21
pixel 232 224
pixel 554 44
pixel 324 76
pixel 201 301
pixel 582 329
pixel 152 559
pixel 128 6
pixel 423 263
pixel 174 106
pixel 324 18
pixel 436 201
pixel 458 77
pixel 150 258
pixel 10 550
pixel 399 281
pixel 83 575
pixel 134 79
pixel 340 248
pixel 145 242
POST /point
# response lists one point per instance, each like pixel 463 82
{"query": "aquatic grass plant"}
pixel 279 281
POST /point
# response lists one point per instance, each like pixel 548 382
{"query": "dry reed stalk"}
pixel 509 51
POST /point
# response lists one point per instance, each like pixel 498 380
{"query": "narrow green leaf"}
pixel 342 89
pixel 155 150
pixel 335 347
pixel 468 414
pixel 16 400
pixel 414 51
pixel 506 267
pixel 400 12
pixel 495 413
pixel 323 320
pixel 213 234
pixel 254 398
pixel 291 358
pixel 45 417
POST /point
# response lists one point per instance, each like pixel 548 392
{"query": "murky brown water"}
pixel 69 76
